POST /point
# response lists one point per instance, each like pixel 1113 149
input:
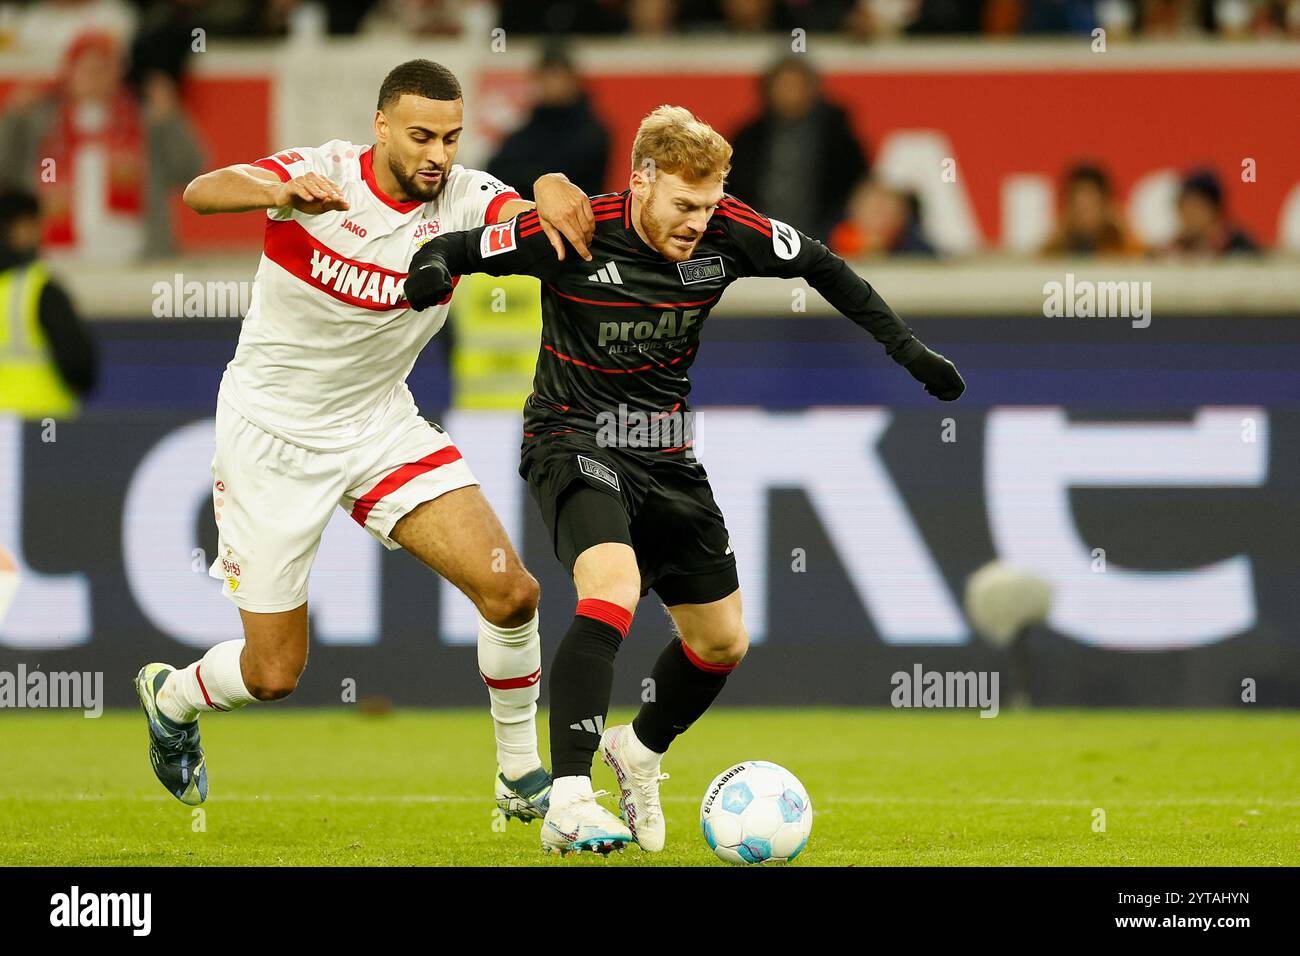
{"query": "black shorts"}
pixel 661 506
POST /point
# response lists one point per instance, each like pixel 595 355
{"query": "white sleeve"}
pixel 476 198
pixel 299 161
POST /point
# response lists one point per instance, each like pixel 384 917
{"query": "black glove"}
pixel 937 374
pixel 428 282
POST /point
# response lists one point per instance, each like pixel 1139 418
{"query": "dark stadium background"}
pixel 1177 91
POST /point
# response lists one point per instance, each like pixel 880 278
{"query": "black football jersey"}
pixel 621 332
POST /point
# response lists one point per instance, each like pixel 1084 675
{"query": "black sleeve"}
pixel 517 247
pixel 769 247
pixel 74 350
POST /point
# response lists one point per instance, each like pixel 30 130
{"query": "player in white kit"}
pixel 314 412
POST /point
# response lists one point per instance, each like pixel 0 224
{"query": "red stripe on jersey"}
pixel 748 222
pixel 731 202
pixel 616 214
pixel 612 371
pixel 274 166
pixel 290 246
pixel 368 174
pixel 633 305
pixel 745 212
pixel 386 486
pixel 494 207
pixel 512 683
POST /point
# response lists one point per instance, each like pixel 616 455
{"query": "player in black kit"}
pixel 606 449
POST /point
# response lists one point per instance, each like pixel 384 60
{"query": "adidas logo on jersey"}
pixel 593 725
pixel 607 274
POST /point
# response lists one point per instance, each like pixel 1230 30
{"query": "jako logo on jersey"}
pixel 700 270
pixel 785 240
pixel 607 273
pixel 498 239
pixel 353 228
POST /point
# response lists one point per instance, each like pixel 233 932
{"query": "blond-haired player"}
pixel 619 335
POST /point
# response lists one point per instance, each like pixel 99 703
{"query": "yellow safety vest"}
pixel 498 324
pixel 30 384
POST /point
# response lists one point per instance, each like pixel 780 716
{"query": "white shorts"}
pixel 272 499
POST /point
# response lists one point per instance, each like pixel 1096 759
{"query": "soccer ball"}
pixel 755 812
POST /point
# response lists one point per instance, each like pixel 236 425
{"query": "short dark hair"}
pixel 1203 183
pixel 424 78
pixel 1089 173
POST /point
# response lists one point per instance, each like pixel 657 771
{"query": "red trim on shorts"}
pixel 707 666
pixel 198 672
pixel 386 486
pixel 512 683
pixel 615 615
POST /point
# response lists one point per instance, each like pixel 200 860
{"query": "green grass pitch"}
pixel 302 787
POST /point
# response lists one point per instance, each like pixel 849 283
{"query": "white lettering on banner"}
pixel 489 441
pixel 831 455
pixel 49 610
pixel 1033 457
pixel 170 488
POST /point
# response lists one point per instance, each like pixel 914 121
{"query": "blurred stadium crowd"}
pixel 116 106
pixel 40 22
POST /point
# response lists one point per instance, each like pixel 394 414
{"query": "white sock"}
pixel 212 683
pixel 510 662
pixel 640 754
pixel 564 789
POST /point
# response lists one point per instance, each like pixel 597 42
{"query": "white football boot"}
pixel 638 783
pixel 583 824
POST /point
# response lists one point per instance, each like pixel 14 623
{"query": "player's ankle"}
pixel 567 789
pixel 515 766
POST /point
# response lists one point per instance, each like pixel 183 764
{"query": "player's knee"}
pixel 514 602
pixel 724 645
pixel 273 682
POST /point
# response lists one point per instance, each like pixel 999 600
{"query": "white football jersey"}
pixel 329 338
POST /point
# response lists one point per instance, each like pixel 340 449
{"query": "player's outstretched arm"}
pixel 565 213
pixel 514 248
pixel 776 249
pixel 246 187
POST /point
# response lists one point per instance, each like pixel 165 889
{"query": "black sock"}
pixel 684 687
pixel 581 679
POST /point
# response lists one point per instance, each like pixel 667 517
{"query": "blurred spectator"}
pixel 1203 226
pixel 104 165
pixel 46 358
pixel 563 133
pixel 52 26
pixel 1090 223
pixel 652 18
pixel 562 17
pixel 882 221
pixel 799 160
